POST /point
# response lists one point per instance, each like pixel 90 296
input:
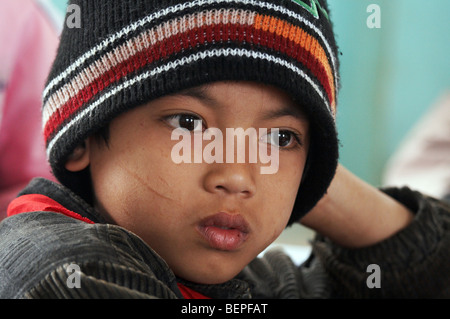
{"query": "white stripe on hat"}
pixel 174 9
pixel 180 62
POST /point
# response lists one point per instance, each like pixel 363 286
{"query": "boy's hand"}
pixel 356 214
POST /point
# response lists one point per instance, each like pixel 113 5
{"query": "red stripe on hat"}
pixel 171 45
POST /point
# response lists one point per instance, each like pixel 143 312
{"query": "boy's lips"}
pixel 224 231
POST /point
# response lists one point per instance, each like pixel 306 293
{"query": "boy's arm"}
pixel 356 214
pixel 396 238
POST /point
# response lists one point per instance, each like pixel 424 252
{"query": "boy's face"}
pixel 206 220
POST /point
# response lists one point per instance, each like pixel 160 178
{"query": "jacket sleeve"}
pixel 411 264
pixel 49 255
pixel 98 280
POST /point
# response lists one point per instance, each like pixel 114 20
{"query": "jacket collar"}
pixel 63 196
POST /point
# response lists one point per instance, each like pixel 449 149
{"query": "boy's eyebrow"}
pixel 286 110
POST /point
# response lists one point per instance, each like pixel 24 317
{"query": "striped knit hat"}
pixel 128 52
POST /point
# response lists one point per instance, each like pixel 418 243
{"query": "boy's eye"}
pixel 281 138
pixel 189 122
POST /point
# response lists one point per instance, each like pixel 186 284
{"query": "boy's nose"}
pixel 231 179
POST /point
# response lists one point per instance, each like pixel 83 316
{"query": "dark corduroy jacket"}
pixel 37 248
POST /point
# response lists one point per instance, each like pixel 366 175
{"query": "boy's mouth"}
pixel 224 231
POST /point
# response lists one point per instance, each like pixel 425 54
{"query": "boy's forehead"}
pixel 281 104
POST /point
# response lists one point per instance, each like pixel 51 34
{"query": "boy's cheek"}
pixel 279 224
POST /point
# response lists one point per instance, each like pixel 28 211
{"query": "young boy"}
pixel 139 214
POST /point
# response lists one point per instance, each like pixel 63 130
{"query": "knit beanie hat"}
pixel 125 53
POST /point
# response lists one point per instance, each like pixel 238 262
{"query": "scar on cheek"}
pixel 145 183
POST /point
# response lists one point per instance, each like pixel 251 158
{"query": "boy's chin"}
pixel 208 276
pixel 212 266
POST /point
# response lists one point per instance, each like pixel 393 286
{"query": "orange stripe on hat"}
pixel 299 36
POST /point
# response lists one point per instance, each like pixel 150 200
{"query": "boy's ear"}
pixel 79 159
